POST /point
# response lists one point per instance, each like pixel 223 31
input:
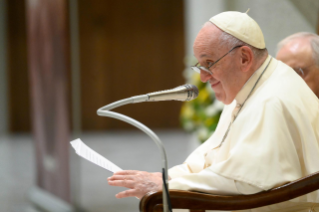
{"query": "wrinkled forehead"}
pixel 297 52
pixel 207 40
pixel 299 45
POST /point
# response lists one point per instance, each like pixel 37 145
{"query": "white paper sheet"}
pixel 86 152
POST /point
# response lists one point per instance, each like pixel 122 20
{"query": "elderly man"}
pixel 301 52
pixel 268 132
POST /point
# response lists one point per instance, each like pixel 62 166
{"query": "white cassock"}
pixel 273 140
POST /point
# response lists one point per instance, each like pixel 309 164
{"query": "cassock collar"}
pixel 245 90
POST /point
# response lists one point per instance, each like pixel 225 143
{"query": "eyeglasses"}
pixel 303 71
pixel 198 68
pixel 299 71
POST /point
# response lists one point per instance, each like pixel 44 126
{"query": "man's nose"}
pixel 204 76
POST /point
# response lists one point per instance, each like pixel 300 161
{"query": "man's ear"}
pixel 246 59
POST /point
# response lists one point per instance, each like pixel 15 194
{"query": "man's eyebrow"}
pixel 211 54
pixel 203 55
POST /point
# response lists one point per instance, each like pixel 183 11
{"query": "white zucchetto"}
pixel 241 26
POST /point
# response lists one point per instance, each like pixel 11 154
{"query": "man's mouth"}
pixel 214 84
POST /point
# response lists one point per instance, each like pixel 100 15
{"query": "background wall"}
pixel 127 48
pixel 3 74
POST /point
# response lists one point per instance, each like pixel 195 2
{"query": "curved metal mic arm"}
pixel 105 111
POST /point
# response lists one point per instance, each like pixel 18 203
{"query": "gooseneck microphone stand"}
pixel 105 111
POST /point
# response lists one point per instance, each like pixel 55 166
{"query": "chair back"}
pixel 199 202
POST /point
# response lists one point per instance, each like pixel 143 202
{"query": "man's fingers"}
pixel 121 177
pixel 126 172
pixel 127 193
pixel 122 183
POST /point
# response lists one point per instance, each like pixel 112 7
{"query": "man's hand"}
pixel 139 182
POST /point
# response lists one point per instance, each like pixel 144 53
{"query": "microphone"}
pixel 183 93
pixel 186 92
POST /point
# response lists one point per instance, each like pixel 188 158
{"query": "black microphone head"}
pixel 192 92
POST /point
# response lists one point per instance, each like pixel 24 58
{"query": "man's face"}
pixel 298 54
pixel 225 79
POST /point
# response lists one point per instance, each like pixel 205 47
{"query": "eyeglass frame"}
pixel 198 68
pixel 299 69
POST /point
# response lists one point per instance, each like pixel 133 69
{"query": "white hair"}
pixel 230 41
pixel 313 40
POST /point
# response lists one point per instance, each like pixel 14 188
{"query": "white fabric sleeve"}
pixel 245 188
pixel 208 182
pixel 178 171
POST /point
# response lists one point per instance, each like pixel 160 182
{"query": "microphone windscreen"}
pixel 193 91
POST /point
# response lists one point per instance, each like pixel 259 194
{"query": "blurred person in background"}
pixel 268 132
pixel 301 52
